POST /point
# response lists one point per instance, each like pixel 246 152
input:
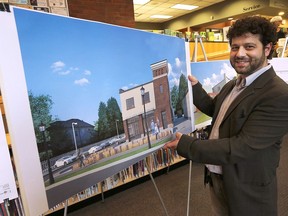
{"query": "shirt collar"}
pixel 256 74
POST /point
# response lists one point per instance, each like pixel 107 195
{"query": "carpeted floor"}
pixel 142 199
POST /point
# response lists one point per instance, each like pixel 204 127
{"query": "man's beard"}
pixel 254 64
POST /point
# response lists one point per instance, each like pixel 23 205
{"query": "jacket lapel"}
pixel 259 83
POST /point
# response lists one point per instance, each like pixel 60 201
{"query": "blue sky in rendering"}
pixel 211 73
pixel 81 63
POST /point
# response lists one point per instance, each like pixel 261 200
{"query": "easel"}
pixel 194 58
pixel 194 133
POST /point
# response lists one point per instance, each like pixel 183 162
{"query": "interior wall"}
pixel 217 13
pixel 117 12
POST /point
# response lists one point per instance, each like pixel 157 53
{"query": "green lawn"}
pixel 201 118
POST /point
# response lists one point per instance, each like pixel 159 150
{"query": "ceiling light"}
pixel 184 7
pixel 230 18
pixel 160 16
pixel 140 2
pixel 281 13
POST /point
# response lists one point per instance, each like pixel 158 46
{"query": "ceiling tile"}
pixel 163 7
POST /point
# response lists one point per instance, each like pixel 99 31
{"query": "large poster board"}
pixel 71 76
pixel 213 75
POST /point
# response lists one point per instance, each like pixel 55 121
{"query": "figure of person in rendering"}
pixel 156 130
pixel 249 120
pixel 81 159
pixel 152 126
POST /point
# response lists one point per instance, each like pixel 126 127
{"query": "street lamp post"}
pixel 74 137
pixel 117 128
pixel 145 118
pixel 42 130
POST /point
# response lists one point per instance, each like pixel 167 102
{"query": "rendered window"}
pixel 130 103
pixel 146 98
pixel 161 89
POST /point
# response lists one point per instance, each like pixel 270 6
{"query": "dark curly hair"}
pixel 255 25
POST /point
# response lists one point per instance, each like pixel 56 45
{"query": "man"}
pixel 249 119
pixel 277 21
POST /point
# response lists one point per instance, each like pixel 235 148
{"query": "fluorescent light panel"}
pixel 160 16
pixel 184 7
pixel 140 2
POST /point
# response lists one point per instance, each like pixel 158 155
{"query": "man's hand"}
pixel 174 143
pixel 192 79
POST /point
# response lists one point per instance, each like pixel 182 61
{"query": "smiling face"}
pixel 248 54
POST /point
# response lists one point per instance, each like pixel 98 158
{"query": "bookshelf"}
pixel 59 7
pixel 10 201
pixel 156 161
pixel 4 120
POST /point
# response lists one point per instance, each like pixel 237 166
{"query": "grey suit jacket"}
pixel 248 148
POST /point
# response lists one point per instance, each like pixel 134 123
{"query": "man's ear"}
pixel 268 48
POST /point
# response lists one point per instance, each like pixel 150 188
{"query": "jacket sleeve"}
pixel 255 126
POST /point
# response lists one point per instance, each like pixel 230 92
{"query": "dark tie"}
pixel 240 83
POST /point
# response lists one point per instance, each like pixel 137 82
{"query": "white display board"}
pixel 14 95
pixel 280 65
pixel 215 74
pixel 80 64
